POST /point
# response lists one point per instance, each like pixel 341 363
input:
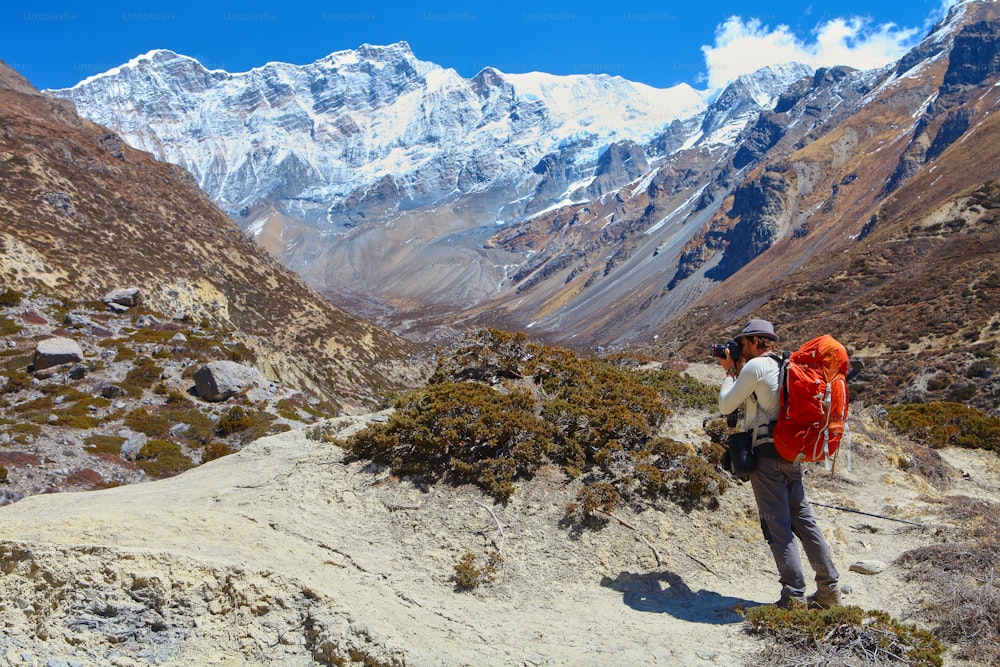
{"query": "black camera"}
pixel 719 350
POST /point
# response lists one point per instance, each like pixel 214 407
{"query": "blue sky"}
pixel 57 44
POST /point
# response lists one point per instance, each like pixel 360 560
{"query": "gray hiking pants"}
pixel 785 515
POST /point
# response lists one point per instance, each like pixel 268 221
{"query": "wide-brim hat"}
pixel 761 328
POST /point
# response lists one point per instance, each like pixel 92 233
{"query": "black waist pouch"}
pixel 739 458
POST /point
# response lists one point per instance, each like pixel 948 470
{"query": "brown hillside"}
pixel 890 240
pixel 82 213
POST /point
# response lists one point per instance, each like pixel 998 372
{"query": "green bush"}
pixel 946 424
pixel 470 431
pixel 162 458
pixel 9 327
pixel 142 376
pixel 850 634
pixel 153 425
pixel 468 575
pixel 215 450
pixel 200 427
pixel 498 407
pixel 235 420
pixel 11 297
pixel 287 410
pixel 104 444
pixel 17 382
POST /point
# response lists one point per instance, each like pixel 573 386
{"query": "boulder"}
pixel 220 380
pixel 127 297
pixel 868 566
pixel 111 391
pixel 134 442
pixel 55 352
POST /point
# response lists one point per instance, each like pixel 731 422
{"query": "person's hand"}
pixel 727 363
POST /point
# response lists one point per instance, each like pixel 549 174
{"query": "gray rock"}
pixel 869 566
pixel 55 352
pixel 78 372
pixel 111 391
pixel 220 380
pixel 134 442
pixel 179 429
pixel 74 319
pixel 129 297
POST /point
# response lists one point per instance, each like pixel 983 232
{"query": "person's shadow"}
pixel 666 593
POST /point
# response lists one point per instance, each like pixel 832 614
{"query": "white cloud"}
pixel 744 46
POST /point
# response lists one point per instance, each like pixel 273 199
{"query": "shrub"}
pixel 200 427
pixel 468 576
pixel 236 419
pixel 600 497
pixel 153 425
pixel 241 354
pixel 497 408
pixel 125 353
pixel 961 579
pixel 105 444
pixel 215 450
pixel 25 430
pixel 8 327
pixel 3 474
pixel 77 421
pixel 43 404
pixel 946 424
pixel 841 635
pixel 177 399
pixel 17 382
pixel 143 375
pixel 87 477
pixel 11 297
pixel 287 410
pixel 473 432
pixel 162 458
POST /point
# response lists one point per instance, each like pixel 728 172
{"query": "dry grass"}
pixel 962 580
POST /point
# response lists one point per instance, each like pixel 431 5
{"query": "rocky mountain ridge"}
pixel 380 178
pixel 362 133
pixel 84 213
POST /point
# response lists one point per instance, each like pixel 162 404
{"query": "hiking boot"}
pixel 825 597
pixel 791 602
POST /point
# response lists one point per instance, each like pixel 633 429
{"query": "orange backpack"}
pixel 812 390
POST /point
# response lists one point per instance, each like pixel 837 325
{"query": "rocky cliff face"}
pixel 877 225
pixel 365 132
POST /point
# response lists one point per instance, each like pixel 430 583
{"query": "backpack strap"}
pixel 782 359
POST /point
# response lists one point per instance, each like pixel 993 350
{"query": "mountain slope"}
pixel 884 229
pixel 83 213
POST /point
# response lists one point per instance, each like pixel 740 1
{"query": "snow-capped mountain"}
pixel 363 132
pixel 380 178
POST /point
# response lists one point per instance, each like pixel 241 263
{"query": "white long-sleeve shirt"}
pixel 759 376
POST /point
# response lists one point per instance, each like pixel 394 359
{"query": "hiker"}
pixel 752 381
